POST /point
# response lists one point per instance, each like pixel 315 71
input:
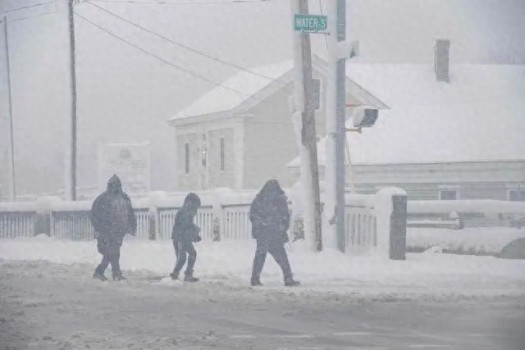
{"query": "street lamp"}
pixel 363 116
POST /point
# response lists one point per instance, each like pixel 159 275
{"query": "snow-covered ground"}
pixel 478 240
pixel 229 262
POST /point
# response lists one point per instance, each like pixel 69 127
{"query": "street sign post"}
pixel 310 23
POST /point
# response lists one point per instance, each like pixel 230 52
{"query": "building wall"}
pixel 204 139
pixel 271 141
pixel 471 180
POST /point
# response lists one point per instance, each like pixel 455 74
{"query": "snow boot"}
pixel 255 282
pixel 190 278
pixel 174 276
pixel 290 282
pixel 99 276
pixel 119 277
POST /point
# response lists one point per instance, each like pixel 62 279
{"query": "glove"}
pixel 197 239
pixel 286 239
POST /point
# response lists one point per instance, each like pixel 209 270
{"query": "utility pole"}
pixel 305 117
pixel 71 167
pixel 335 124
pixel 10 136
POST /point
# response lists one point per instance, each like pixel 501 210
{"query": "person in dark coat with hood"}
pixel 112 217
pixel 184 233
pixel 270 219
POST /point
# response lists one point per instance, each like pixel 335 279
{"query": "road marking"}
pixel 310 336
pixel 300 348
pixel 429 346
pixel 351 334
pixel 297 336
pixel 242 336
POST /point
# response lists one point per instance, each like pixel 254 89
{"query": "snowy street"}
pixel 53 306
pixel 430 301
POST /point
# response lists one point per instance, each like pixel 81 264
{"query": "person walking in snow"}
pixel 112 217
pixel 270 219
pixel 184 233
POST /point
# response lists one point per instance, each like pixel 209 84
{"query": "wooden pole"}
pixel 10 135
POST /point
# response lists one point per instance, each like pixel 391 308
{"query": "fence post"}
pixel 398 227
pixel 42 222
pixel 218 213
pixel 390 207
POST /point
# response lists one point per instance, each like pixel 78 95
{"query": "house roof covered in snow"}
pixel 235 91
pixel 250 87
pixel 479 115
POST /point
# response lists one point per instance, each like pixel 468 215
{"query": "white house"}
pixel 443 132
pixel 462 138
pixel 240 134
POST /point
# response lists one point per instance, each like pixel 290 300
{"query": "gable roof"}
pixel 246 88
pixel 235 91
pixel 479 115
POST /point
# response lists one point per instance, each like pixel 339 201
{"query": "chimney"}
pixel 441 59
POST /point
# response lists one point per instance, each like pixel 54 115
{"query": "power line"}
pixel 160 2
pixel 160 58
pixel 230 64
pixel 33 16
pixel 28 7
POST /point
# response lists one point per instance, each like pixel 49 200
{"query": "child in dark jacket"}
pixel 184 233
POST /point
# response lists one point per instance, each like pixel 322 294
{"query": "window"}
pixel 221 154
pixel 517 195
pixel 448 194
pixel 186 158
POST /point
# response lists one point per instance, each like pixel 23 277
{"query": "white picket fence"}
pixel 166 219
pixel 361 227
pixel 222 216
pixel 17 224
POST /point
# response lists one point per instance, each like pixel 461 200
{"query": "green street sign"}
pixel 309 23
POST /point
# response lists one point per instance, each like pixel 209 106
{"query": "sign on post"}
pixel 310 23
pixel 130 162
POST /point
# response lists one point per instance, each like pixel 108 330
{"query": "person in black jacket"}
pixel 270 219
pixel 112 217
pixel 184 233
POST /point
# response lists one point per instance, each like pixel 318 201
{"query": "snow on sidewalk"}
pixel 482 240
pixel 230 262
